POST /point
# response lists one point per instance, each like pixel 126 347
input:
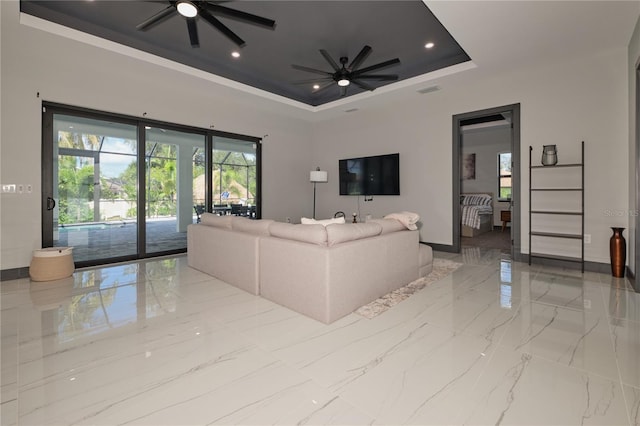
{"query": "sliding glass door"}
pixel 235 172
pixel 120 188
pixel 88 206
pixel 174 184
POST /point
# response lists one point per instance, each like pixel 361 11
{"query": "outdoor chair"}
pixel 199 209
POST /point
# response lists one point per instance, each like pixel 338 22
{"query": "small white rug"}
pixel 441 268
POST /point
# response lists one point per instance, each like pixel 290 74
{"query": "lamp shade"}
pixel 318 176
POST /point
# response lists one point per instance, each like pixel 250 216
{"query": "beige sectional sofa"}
pixel 324 272
pixel 226 247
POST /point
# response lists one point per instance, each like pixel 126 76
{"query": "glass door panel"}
pixel 174 185
pixel 93 208
pixel 234 176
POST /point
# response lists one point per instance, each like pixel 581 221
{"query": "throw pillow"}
pixel 324 222
pixel 476 200
pixel 314 234
pixel 408 219
pixel 388 225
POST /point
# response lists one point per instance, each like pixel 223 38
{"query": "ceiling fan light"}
pixel 343 82
pixel 187 9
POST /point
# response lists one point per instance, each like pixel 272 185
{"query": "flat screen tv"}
pixel 377 175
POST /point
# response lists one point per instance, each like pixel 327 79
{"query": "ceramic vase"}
pixel 549 155
pixel 618 252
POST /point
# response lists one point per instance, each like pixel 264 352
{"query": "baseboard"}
pixel 630 274
pixel 440 247
pixel 603 268
pixel 14 274
pixel 632 279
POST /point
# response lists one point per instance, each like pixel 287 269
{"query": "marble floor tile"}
pixel 518 388
pixel 9 412
pixel 426 381
pixel 621 303
pixel 609 281
pixel 158 343
pixel 626 343
pixel 632 397
pixel 566 336
pixel 567 291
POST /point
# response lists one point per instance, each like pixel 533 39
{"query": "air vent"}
pixel 429 89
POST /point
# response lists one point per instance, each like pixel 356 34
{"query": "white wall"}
pixel 486 143
pixel 75 73
pixel 563 103
pixel 585 98
pixel 634 61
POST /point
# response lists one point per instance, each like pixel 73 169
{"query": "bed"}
pixel 476 213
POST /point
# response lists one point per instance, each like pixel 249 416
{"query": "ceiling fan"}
pixel 345 75
pixel 206 10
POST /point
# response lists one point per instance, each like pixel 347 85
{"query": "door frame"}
pixel 514 110
pixel 636 261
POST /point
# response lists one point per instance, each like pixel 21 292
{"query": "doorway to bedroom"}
pixel 486 170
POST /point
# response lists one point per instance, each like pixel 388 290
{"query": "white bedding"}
pixel 473 206
pixel 471 215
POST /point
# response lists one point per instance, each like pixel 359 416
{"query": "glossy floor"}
pixel 156 342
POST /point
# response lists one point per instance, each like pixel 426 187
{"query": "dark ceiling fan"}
pixel 345 75
pixel 206 10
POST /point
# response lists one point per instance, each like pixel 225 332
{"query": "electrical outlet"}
pixel 587 238
pixel 288 220
pixel 20 188
pixel 29 188
pixel 10 188
pixel 587 303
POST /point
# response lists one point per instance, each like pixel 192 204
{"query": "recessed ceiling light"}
pixel 429 45
pixel 316 86
pixel 235 54
pixel 343 82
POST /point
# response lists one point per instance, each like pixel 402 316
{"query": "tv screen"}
pixel 377 175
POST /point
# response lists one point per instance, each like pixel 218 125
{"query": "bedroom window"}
pixel 504 176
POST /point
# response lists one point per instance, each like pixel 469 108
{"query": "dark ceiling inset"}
pixel 206 10
pixel 394 29
pixel 345 75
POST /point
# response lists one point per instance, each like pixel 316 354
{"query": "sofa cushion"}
pixel 337 233
pixel 211 219
pixel 408 219
pixel 251 226
pixel 325 222
pixel 314 234
pixel 388 225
